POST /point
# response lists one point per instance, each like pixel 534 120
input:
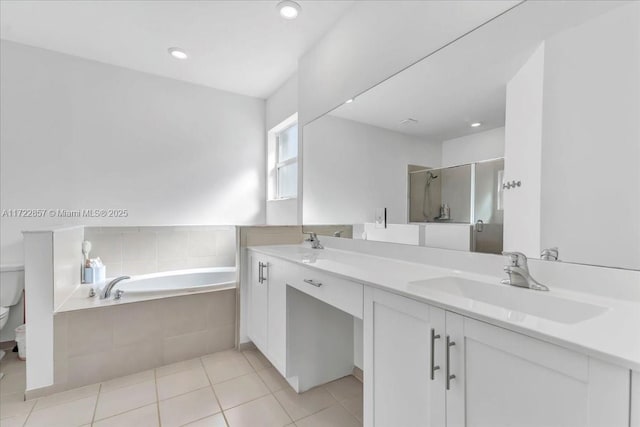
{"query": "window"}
pixel 287 163
pixel 282 160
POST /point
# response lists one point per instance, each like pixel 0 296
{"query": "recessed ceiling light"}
pixel 348 101
pixel 178 53
pixel 476 124
pixel 288 9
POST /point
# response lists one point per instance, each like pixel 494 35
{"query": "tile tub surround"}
pixel 99 344
pixel 142 250
pixel 224 389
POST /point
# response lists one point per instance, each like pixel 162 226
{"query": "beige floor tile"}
pixel 354 406
pixel 128 380
pixel 146 416
pixel 178 367
pixel 125 399
pixel 304 404
pixel 12 405
pixel 240 390
pixel 257 359
pixel 273 379
pixel 67 396
pixel 263 412
pixel 334 416
pixel 216 420
pixel 68 414
pixel 15 421
pixel 189 407
pixel 181 382
pixel 345 388
pixel 11 364
pixel 13 382
pixel 226 365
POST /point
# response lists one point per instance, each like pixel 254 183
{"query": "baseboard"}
pixel 358 373
pixel 249 345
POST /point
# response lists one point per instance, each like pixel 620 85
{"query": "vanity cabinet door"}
pixel 399 387
pixel 258 300
pixel 277 313
pixel 503 378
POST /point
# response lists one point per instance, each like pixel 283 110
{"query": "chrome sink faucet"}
pixel 518 272
pixel 106 292
pixel 315 242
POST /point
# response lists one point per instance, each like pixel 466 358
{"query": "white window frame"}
pixel 273 159
pixel 280 164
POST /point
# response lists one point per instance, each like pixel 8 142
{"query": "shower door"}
pixel 488 207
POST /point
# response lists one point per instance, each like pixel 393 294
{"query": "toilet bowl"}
pixel 4 316
pixel 11 286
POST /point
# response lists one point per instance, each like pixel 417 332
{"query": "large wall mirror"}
pixel 522 135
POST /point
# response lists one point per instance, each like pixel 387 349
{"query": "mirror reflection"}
pixel 491 142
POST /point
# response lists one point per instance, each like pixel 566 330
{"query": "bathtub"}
pixel 153 286
pixel 194 280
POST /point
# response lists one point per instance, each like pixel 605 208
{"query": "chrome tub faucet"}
pixel 106 291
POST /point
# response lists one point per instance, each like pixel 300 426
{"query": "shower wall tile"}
pixel 173 264
pixel 142 250
pixel 140 246
pixel 172 245
pixel 202 243
pixel 132 268
pixel 107 246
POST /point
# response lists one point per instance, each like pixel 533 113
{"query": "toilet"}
pixel 11 286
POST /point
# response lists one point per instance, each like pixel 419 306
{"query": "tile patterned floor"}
pixel 226 389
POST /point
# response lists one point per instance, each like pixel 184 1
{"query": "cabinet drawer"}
pixel 340 293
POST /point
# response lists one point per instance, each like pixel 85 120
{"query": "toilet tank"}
pixel 11 284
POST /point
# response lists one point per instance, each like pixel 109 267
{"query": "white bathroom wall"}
pixel 523 138
pixel 39 291
pixel 81 134
pixel 282 104
pixel 375 40
pixel 473 148
pixel 369 166
pixel 591 141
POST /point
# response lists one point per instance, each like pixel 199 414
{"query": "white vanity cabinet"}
pixel 403 365
pixel 258 299
pixel 267 307
pixel 496 377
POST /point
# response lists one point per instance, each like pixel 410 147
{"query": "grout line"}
pixel 24 423
pixel 95 406
pixel 155 381
pixel 122 413
pixel 215 395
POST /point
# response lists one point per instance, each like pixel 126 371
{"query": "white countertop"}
pixel 613 335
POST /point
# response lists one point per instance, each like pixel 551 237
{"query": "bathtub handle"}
pixel 118 294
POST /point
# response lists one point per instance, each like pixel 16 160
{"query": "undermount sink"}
pixel 525 301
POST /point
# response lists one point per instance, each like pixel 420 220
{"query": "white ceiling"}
pixel 466 81
pixel 238 46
